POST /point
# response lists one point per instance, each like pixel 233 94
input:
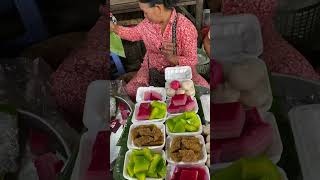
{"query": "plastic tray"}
pixel 305 123
pixel 200 162
pixel 131 145
pixel 228 64
pixel 199 132
pixel 171 168
pixel 126 161
pixel 178 73
pixel 205 102
pixel 135 121
pixel 142 90
pixel 196 109
pixel 274 152
pixel 240 33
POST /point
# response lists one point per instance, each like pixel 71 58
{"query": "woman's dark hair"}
pixel 169 4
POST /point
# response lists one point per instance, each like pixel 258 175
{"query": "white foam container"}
pixel 205 102
pixel 131 145
pixel 178 73
pixel 274 152
pixel 240 33
pixel 305 123
pixel 200 162
pixel 142 90
pixel 135 121
pixel 93 119
pixel 186 133
pixel 171 168
pixel 196 108
pixel 126 161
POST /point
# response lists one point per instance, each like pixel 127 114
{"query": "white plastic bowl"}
pixel 147 121
pixel 126 161
pixel 199 162
pixel 131 145
pixel 185 133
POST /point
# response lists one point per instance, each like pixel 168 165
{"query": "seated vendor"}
pixel 156 32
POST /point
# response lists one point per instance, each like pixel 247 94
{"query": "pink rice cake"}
pixel 228 120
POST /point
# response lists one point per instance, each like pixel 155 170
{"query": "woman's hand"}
pixel 167 50
pixel 113 27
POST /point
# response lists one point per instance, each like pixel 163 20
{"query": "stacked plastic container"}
pixel 93 119
pixel 183 73
pixel 305 123
pixel 236 38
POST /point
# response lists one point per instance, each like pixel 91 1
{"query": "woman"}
pixel 84 64
pixel 156 32
pixel 278 54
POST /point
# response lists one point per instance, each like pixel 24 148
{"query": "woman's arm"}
pixel 189 56
pixel 206 43
pixel 128 33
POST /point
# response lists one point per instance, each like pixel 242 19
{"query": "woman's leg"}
pixel 141 79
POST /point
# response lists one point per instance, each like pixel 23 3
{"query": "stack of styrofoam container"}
pixel 239 37
pixel 305 123
pixel 205 102
pixel 93 119
pixel 183 73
